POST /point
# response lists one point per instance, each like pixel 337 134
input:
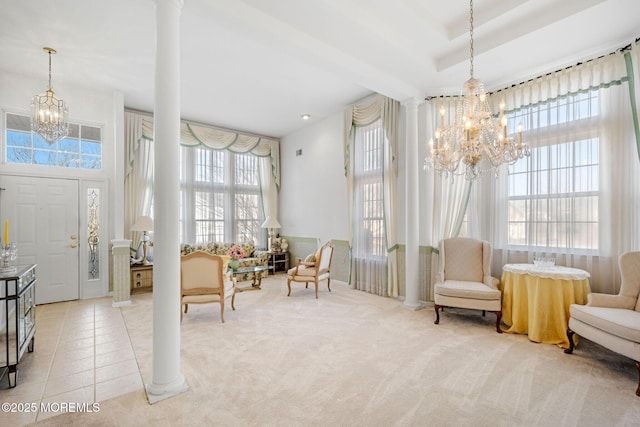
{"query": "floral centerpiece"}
pixel 235 252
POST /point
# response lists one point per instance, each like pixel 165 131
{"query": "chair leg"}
pixel 484 313
pixel 329 283
pixel 233 301
pixel 638 389
pixel 180 313
pixel 186 308
pixel 571 345
pixel 437 308
pixel 498 319
pixel 222 309
pixel 316 288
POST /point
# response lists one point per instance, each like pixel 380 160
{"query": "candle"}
pixel 6 232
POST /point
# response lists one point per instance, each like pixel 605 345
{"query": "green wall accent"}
pixel 300 247
pixel 341 262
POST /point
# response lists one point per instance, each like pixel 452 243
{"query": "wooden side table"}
pixel 278 261
pixel 142 277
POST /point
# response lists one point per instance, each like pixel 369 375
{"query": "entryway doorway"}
pixel 44 224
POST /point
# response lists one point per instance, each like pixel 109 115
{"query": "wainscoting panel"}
pixel 425 275
pixel 340 264
pixel 300 247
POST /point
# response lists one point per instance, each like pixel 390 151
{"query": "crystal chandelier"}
pixel 476 138
pixel 48 113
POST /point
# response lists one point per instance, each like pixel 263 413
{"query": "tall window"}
pixel 554 194
pixel 368 192
pixel 220 197
pixel 369 248
pixel 82 148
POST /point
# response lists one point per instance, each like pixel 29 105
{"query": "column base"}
pixel 117 304
pixel 413 306
pixel 156 393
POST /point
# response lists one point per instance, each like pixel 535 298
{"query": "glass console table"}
pixel 18 320
pixel 257 277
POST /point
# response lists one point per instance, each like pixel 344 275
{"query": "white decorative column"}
pixel 121 276
pixel 167 375
pixel 120 252
pixel 412 258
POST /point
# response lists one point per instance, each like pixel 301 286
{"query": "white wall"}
pixel 313 192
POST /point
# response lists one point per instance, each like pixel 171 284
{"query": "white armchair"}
pixel 464 278
pixel 613 321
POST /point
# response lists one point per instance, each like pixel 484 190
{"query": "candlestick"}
pixel 6 232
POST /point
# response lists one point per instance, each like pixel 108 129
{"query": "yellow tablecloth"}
pixel 536 301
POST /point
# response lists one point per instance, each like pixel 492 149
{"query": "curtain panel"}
pixel 449 194
pixel 138 178
pixel 361 114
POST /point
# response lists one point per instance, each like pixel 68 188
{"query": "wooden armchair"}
pixel 203 280
pixel 313 271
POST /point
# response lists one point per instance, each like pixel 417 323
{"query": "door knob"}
pixel 73 237
pixel 73 245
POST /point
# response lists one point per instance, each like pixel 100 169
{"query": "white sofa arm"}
pixel 491 281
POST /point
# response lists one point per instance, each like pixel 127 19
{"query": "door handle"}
pixel 73 237
pixel 73 245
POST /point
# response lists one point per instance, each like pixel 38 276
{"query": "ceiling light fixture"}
pixel 476 138
pixel 306 116
pixel 48 113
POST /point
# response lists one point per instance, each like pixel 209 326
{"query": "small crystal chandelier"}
pixel 48 113
pixel 476 138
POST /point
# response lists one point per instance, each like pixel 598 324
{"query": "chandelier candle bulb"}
pixel 6 232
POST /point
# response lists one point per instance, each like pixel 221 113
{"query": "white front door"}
pixel 43 221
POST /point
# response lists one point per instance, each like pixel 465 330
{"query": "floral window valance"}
pixel 193 135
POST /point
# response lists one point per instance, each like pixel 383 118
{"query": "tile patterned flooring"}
pixel 82 354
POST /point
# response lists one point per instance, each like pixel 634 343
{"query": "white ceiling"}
pixel 257 65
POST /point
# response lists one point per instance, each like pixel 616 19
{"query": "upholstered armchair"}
pixel 314 269
pixel 464 278
pixel 203 280
pixel 613 321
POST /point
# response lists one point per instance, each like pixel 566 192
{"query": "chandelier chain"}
pixel 471 37
pixel 49 69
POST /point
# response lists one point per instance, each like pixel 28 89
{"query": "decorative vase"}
pixel 234 264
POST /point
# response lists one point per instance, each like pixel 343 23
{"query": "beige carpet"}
pixel 355 359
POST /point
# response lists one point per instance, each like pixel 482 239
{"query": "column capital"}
pixel 177 3
pixel 411 103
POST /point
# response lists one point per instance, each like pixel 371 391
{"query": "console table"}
pixel 18 297
pixel 536 300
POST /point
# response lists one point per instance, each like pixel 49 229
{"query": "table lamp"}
pixel 271 224
pixel 144 224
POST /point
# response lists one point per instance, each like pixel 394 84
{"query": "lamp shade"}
pixel 270 223
pixel 144 223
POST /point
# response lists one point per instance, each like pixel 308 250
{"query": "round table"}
pixel 536 300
